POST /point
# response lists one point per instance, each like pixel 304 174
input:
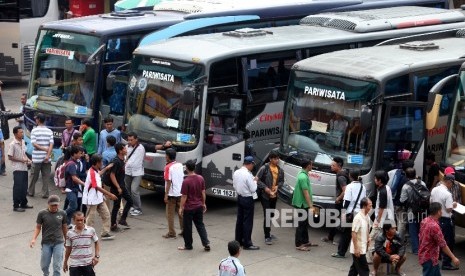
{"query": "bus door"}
pixel 402 135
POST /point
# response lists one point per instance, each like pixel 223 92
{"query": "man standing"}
pixel 431 239
pixel 19 162
pixel 109 153
pixel 118 188
pixel 73 181
pixel 342 180
pixel 2 154
pixel 243 183
pixel 89 136
pixel 68 133
pixel 360 236
pixel 174 176
pixel 302 199
pixel 134 171
pixel 231 266
pixel 92 196
pixel 20 120
pixel 193 207
pixel 79 248
pixel 269 178
pixel 52 222
pixel 42 141
pixel 108 131
pixel 441 194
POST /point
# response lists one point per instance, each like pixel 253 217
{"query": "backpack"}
pixel 418 200
pixel 59 177
pixel 106 180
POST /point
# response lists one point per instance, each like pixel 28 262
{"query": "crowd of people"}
pixel 100 169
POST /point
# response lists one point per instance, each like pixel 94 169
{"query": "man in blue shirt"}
pixel 109 130
pixel 72 181
pixel 109 153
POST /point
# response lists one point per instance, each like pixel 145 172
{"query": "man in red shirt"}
pixel 193 206
pixel 431 239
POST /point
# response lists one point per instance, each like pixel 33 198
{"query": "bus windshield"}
pixel 162 101
pixel 323 115
pixel 58 80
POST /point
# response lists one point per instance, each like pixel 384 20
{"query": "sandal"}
pixel 311 244
pixel 302 248
pixel 169 236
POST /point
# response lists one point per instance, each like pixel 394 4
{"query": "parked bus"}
pixel 19 21
pixel 369 107
pixel 73 57
pixel 215 94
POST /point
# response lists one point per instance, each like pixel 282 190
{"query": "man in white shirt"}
pixel 231 266
pixel 442 194
pixel 134 171
pixel 174 176
pixel 245 186
pixel 360 237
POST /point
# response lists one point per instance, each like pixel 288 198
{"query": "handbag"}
pixel 350 216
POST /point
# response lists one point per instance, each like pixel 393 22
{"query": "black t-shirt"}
pixel 118 170
pixel 70 170
pixel 341 181
pixel 433 171
pixel 382 197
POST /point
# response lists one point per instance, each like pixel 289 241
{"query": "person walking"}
pixel 174 176
pixel 302 199
pixel 231 266
pixel 89 136
pixel 42 141
pixel 79 254
pixel 134 171
pixel 243 183
pixel 19 162
pixel 193 207
pixel 73 181
pixel 118 188
pixel 431 240
pixel 352 195
pixel 269 178
pixel 360 236
pixel 441 194
pixel 108 131
pixel 93 196
pixel 52 223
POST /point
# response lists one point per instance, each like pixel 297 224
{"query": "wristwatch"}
pixel 97 256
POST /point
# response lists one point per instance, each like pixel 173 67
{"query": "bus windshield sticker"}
pixel 80 110
pixel 60 52
pixel 183 137
pixel 325 93
pixel 355 159
pixel 319 126
pixel 172 123
pixel 133 82
pixel 157 76
pixel 142 84
pixel 63 36
pixel 160 62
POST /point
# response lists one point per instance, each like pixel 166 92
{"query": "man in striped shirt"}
pixel 42 141
pixel 79 248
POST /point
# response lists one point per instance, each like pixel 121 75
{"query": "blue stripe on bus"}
pixel 191 25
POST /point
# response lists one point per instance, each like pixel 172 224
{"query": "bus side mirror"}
pixel 366 117
pixel 434 100
pixel 110 81
pixel 90 72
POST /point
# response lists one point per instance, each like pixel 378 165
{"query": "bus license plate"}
pixel 223 192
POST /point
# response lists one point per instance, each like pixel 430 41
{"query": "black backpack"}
pixel 418 200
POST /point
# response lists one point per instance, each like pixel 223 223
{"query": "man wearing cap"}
pixel 245 186
pixel 442 194
pixel 42 141
pixel 455 190
pixel 52 222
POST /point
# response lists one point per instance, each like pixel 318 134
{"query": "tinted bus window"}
pixel 9 10
pixel 30 8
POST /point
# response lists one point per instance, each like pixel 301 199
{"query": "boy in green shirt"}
pixel 302 199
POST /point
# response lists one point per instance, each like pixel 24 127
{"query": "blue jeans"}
pixel 49 251
pixel 430 270
pixel 72 205
pixel 413 229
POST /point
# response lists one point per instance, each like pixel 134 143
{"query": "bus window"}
pixel 9 11
pixel 31 9
pixel 224 73
pixel 397 86
pixel 424 81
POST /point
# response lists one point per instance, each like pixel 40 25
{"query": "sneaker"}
pixel 124 223
pixel 268 241
pixel 107 236
pixel 135 212
pixel 336 255
pixel 18 209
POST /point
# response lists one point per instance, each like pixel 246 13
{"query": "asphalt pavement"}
pixel 141 250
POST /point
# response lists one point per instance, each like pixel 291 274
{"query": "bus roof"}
pixel 207 48
pixel 105 24
pixel 376 63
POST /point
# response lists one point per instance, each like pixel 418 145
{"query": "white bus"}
pixel 369 107
pixel 19 22
pixel 214 94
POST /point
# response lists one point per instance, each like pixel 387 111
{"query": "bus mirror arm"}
pixel 91 64
pixel 435 99
pixel 366 117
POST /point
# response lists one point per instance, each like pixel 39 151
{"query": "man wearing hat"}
pixel 455 190
pixel 42 141
pixel 246 187
pixel 52 222
pixel 442 194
